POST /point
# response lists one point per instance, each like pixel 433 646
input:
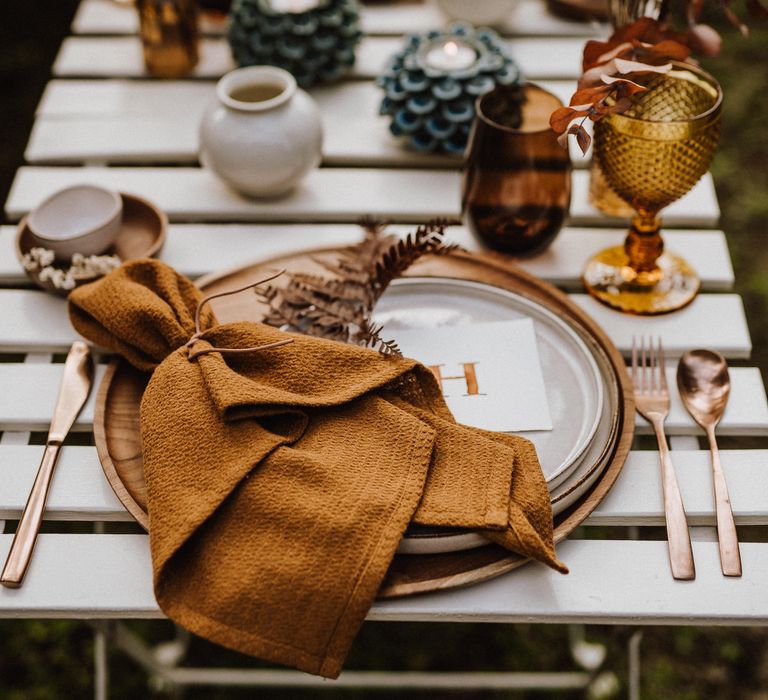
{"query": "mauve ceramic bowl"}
pixel 79 219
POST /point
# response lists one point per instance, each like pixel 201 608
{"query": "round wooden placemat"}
pixel 118 439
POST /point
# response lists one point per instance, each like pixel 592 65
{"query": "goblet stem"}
pixel 639 277
pixel 644 244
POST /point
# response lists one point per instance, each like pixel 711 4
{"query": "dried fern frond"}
pixel 339 307
pixel 369 335
pixel 402 253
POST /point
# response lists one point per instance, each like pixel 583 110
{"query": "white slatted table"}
pixel 102 119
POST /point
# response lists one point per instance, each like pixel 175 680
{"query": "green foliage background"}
pixel 47 660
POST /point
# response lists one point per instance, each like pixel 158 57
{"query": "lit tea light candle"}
pixel 450 54
pixel 293 6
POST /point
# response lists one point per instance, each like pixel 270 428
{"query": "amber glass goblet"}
pixel 517 179
pixel 651 156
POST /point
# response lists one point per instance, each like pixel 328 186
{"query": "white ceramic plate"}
pixel 598 454
pixel 576 485
pixel 571 454
pixel 572 379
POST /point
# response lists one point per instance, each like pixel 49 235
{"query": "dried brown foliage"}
pixel 339 306
pixel 609 68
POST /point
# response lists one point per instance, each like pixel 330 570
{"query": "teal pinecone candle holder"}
pixel 430 86
pixel 314 40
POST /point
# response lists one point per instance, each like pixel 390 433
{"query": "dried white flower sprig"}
pixel 40 261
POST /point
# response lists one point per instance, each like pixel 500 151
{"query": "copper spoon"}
pixel 704 385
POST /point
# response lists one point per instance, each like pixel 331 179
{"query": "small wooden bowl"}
pixel 142 235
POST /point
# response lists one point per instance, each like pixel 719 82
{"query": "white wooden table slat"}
pixel 538 59
pixel 109 17
pixel 610 580
pixel 33 320
pixel 354 133
pixel 562 263
pixel 28 394
pixel 744 415
pixel 197 249
pixel 109 576
pixel 328 194
pixel 526 17
pixel 146 98
pixel 158 122
pixel 688 328
pixel 80 490
pixel 636 498
pixel 83 576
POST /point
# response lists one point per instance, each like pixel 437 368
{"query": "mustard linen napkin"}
pixel 280 483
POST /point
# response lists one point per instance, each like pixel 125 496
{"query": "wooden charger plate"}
pixel 118 440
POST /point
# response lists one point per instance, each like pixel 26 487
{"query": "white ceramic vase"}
pixel 263 134
pixel 477 12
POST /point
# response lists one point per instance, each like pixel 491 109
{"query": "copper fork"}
pixel 652 403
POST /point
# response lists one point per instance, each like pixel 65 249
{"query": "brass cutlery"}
pixel 73 392
pixel 704 385
pixel 652 402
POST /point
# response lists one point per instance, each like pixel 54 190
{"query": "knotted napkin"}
pixel 279 483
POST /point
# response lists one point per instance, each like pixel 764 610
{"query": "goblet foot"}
pixel 670 286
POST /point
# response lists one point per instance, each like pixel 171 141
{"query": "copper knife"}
pixel 74 390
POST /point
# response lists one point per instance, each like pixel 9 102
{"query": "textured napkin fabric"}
pixel 280 483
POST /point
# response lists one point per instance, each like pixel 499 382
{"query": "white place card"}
pixel 490 373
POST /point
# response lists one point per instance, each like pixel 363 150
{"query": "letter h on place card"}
pixel 489 373
pixel 469 376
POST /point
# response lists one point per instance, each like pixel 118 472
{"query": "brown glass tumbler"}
pixel 517 178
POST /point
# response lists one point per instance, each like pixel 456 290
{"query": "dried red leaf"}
pixel 598 111
pixel 622 104
pixel 594 76
pixel 597 52
pixel 588 95
pixel 561 118
pixel 625 67
pixel 593 50
pixel 583 139
pixel 645 46
pixel 643 29
pixel 622 85
pixel 624 50
pixel 671 50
